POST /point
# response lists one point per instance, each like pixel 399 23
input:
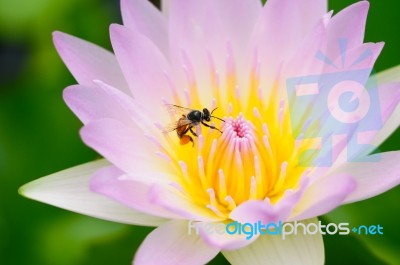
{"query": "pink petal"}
pixel 323 195
pixel 205 31
pixel 389 98
pixel 373 178
pixel 253 211
pixel 190 26
pixel 69 189
pixel 297 249
pixel 130 151
pixel 303 62
pixel 233 40
pixel 223 240
pixel 91 103
pixel 352 65
pixel 352 57
pixel 114 140
pixel 349 25
pixel 366 66
pixel 174 200
pixel 144 68
pixel 113 183
pixel 105 101
pixel 126 147
pixel 266 212
pixel 142 16
pixel 194 29
pixel 299 17
pixel 238 30
pixel 87 61
pixel 171 244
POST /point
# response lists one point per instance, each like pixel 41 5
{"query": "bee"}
pixel 189 119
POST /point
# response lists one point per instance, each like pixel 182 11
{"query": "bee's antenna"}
pixel 213 111
pixel 218 118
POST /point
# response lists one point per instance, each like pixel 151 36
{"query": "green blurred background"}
pixel 39 136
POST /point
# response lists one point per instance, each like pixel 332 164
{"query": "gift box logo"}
pixel 339 109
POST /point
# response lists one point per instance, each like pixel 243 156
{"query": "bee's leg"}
pixel 210 126
pixel 191 130
pixel 186 130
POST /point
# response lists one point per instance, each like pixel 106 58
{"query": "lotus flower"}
pixel 264 162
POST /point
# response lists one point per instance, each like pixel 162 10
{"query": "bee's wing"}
pixel 176 125
pixel 177 110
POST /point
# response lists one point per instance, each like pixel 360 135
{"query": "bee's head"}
pixel 207 115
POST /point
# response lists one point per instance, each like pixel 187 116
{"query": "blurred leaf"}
pixel 124 248
pixel 383 210
pixel 219 260
pixel 347 249
pixel 69 240
pixel 118 251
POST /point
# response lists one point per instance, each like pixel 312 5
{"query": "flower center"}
pixel 247 161
pixel 255 158
pixel 239 128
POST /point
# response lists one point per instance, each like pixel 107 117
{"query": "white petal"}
pixel 272 250
pixel 373 178
pixel 388 76
pixel 165 7
pixel 69 189
pixel 172 244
